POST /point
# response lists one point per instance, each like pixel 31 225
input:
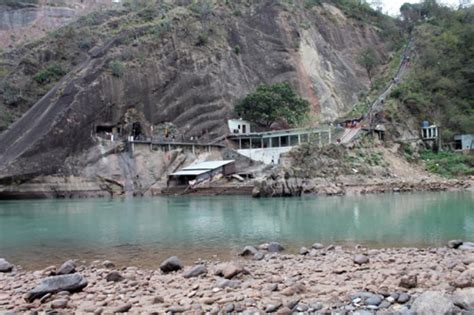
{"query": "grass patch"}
pixel 449 164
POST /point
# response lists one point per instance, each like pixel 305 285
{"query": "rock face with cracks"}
pixel 164 77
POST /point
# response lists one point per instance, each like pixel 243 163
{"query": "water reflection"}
pixel 132 229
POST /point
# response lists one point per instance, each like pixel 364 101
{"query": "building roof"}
pixel 189 173
pixel 208 165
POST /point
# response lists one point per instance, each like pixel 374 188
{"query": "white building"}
pixel 238 126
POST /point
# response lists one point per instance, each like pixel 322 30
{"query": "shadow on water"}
pixel 144 231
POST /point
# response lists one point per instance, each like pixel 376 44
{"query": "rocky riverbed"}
pixel 264 279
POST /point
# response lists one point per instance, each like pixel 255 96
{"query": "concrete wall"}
pixel 237 124
pixel 466 141
pixel 266 155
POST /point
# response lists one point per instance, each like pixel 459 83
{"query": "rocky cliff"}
pixel 184 63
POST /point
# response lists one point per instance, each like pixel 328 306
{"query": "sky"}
pixel 392 7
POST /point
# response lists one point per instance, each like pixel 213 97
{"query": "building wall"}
pixel 267 155
pixel 237 124
pixel 467 142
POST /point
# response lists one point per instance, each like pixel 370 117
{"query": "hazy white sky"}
pixel 392 7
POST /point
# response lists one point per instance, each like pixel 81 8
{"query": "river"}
pixel 143 231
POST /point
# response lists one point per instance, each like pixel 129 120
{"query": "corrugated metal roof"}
pixel 208 165
pixel 189 173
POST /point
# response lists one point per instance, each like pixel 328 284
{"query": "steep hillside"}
pixel 24 20
pixel 185 62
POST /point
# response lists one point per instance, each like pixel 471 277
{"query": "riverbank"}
pixel 320 278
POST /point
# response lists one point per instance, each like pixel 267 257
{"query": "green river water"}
pixel 142 231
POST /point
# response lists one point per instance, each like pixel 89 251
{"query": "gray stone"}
pixel 271 308
pixel 467 246
pixel 59 303
pixel 361 259
pixel 67 268
pixel 114 276
pixel 432 302
pixel 292 303
pixel 275 247
pixel 303 251
pixel 5 266
pixel 195 271
pixel 258 256
pixel 108 264
pixel 225 283
pixel 229 308
pixel 301 307
pixel 403 298
pixel 249 251
pixel 385 304
pixel 122 308
pixel 374 300
pixel 455 243
pixel 464 298
pixel 313 252
pixel 176 309
pixel 317 246
pixel 171 264
pixel 464 280
pixel 231 270
pixel 72 283
pixel 316 306
pixel 409 282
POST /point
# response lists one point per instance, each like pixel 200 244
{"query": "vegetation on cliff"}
pixel 440 85
pixel 270 103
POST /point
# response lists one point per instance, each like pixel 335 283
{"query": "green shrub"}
pixel 117 68
pixel 49 74
pixel 449 164
pixel 237 49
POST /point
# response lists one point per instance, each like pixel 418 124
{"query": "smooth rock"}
pixel 464 280
pixel 231 270
pixel 171 264
pixel 271 308
pixel 229 308
pixel 374 300
pixel 249 251
pixel 432 302
pixel 60 303
pixel 467 246
pixel 66 268
pixel 409 282
pixel 72 283
pixel 403 298
pixel 275 247
pixel 258 256
pixel 195 271
pixel 114 276
pixel 385 304
pixel 455 243
pixel 317 246
pixel 108 264
pixel 464 298
pixel 123 308
pixel 303 251
pixel 316 306
pixel 361 259
pixel 225 283
pixel 5 266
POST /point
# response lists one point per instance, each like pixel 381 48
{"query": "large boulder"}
pixel 231 270
pixel 114 276
pixel 467 246
pixel 275 247
pixel 464 280
pixel 464 298
pixel 5 266
pixel 67 268
pixel 71 283
pixel 171 264
pixel 454 243
pixel 433 303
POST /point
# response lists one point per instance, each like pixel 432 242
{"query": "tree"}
pixel 272 102
pixel 369 61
